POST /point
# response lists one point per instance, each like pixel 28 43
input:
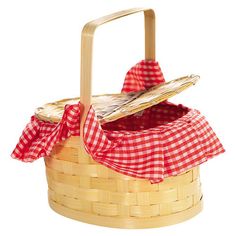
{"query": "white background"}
pixel 40 62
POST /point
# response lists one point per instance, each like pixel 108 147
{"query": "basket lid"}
pixel 120 105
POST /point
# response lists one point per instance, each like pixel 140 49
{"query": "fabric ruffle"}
pixel 178 140
pixel 39 137
pixel 164 148
pixel 161 141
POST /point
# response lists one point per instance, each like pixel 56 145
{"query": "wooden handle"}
pixel 87 49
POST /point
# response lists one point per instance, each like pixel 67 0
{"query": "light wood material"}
pixel 111 107
pixel 125 222
pixel 87 53
pixel 82 189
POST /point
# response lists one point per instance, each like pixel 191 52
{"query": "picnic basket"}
pixel 82 189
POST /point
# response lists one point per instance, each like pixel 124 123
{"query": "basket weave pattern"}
pixel 82 189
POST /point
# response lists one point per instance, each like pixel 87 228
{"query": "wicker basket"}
pixel 85 190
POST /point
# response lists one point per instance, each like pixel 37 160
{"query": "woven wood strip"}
pixel 113 209
pixel 92 170
pixel 129 222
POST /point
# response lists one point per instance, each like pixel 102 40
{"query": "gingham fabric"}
pixel 142 76
pixel 161 141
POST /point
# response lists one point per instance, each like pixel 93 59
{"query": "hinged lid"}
pixel 111 107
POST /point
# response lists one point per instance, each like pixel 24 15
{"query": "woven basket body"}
pixel 85 190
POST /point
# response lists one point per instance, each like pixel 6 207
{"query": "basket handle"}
pixel 87 49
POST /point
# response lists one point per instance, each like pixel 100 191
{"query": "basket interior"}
pixel 157 115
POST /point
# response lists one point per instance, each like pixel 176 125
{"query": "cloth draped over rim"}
pixel 161 141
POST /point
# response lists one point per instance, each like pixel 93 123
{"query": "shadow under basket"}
pixel 84 190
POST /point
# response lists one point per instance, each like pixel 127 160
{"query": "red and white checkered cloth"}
pixel 161 141
pixel 142 76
